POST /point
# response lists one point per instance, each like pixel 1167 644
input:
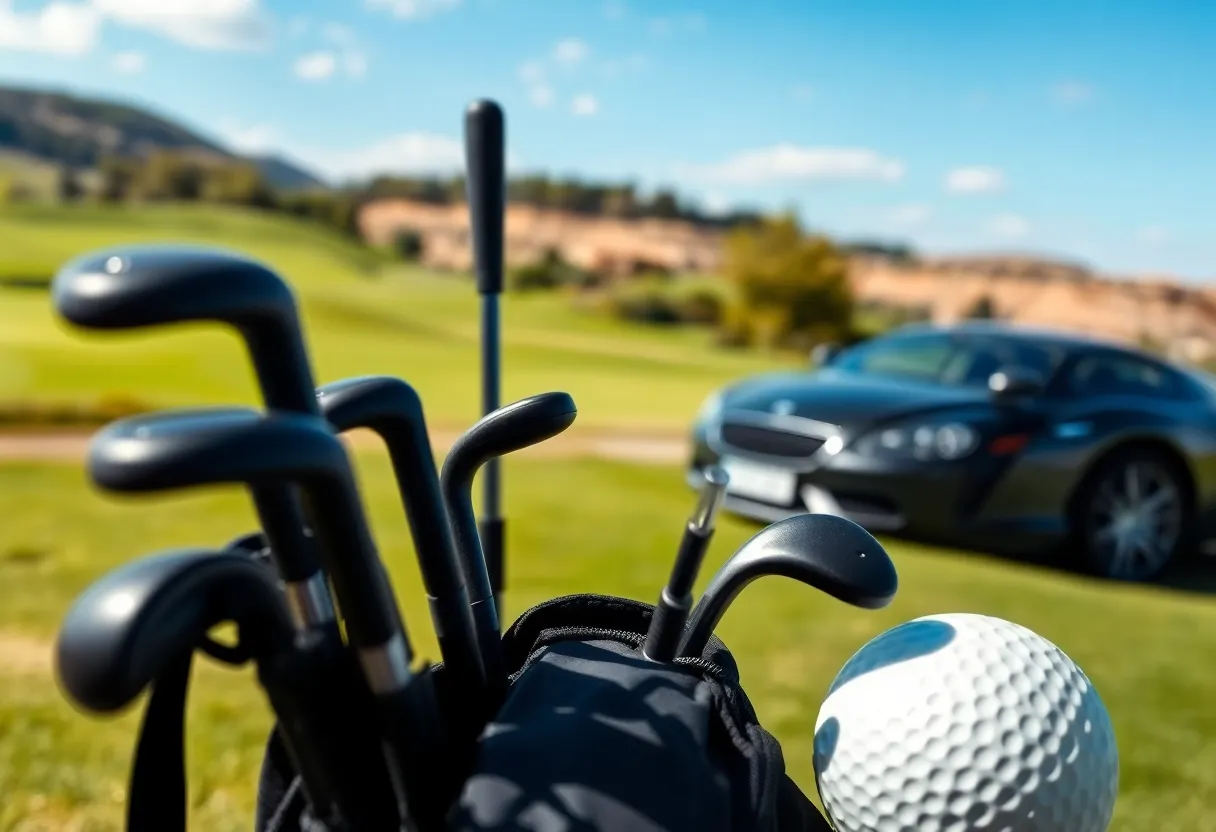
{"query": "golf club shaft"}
pixel 492 526
pixel 675 601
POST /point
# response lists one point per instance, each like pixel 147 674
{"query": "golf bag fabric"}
pixel 592 737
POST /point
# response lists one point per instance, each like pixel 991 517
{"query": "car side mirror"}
pixel 823 354
pixel 1014 384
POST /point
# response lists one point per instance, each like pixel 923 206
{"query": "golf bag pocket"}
pixel 593 737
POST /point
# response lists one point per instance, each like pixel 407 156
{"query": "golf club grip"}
pixel 485 159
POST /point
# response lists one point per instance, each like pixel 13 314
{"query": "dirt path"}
pixel 656 449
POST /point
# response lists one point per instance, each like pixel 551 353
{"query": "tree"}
pixel 791 289
pixel 983 308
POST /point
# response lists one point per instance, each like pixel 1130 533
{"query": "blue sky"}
pixel 1081 129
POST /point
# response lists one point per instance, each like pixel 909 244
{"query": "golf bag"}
pixel 594 737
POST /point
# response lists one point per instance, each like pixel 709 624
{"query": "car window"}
pixel 907 356
pixel 960 361
pixel 976 359
pixel 1118 375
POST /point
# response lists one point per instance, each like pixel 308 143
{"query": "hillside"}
pixel 77 132
pixel 1178 318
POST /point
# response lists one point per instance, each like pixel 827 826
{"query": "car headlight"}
pixel 948 441
pixel 711 408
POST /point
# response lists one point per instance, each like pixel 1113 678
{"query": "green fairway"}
pixel 361 317
pixel 574 526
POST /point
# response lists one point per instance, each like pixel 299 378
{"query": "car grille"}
pixel 762 440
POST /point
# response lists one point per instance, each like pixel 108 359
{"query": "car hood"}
pixel 851 401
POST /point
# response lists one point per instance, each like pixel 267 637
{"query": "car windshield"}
pixel 948 358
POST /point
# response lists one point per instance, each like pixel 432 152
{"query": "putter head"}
pixel 509 428
pixel 366 401
pixel 151 285
pixel 832 554
pixel 208 446
pixel 120 634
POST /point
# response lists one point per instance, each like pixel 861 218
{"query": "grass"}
pixel 1149 651
pixel 360 317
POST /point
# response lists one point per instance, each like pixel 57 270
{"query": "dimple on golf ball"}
pixel 952 723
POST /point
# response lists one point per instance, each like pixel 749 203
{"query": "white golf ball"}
pixel 951 723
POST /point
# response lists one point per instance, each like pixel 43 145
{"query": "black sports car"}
pixel 983 435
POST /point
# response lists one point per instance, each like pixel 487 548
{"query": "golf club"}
pixel 137 287
pixel 509 428
pixel 137 622
pixel 187 448
pixel 392 408
pixel 675 601
pixel 830 553
pixel 485 183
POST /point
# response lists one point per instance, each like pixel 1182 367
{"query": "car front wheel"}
pixel 1132 516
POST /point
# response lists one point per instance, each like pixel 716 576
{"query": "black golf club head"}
pixel 510 428
pixel 393 410
pixel 136 287
pixel 118 636
pixel 190 448
pixel 832 554
pixel 209 446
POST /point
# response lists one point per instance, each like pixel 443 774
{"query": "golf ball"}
pixel 960 722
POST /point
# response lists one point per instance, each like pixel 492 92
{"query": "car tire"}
pixel 1133 515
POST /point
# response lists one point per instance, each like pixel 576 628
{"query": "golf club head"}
pixel 187 448
pixel 392 408
pixel 134 287
pixel 119 635
pixel 510 428
pixel 832 554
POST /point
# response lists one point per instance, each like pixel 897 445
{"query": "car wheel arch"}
pixel 1153 444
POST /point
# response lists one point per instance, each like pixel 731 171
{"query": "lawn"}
pixel 361 316
pixel 1149 651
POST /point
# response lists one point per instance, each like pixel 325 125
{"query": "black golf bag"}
pixel 594 737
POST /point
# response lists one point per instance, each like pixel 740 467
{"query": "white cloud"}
pixel 532 72
pixel 316 66
pixel 413 9
pixel 405 154
pixel 1071 93
pixel 584 105
pixel 975 180
pixel 716 204
pixel 786 162
pixel 128 63
pixel 570 51
pixel 251 139
pixel 1009 225
pixel 912 214
pixel 202 24
pixel 58 28
pixel 1153 235
pixel 541 95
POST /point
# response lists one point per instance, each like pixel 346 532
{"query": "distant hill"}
pixel 76 132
